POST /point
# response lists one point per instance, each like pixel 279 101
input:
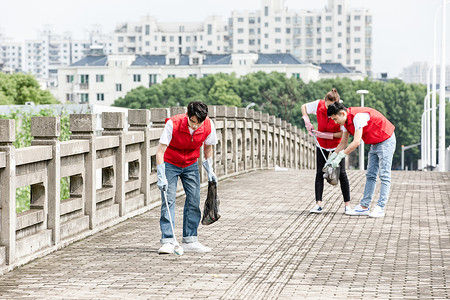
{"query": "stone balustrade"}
pixel 112 177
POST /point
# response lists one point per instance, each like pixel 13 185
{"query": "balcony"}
pixel 84 86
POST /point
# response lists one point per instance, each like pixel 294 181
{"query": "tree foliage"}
pixel 278 95
pixel 21 88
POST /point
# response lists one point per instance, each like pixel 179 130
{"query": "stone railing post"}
pixel 273 160
pixel 158 117
pixel 265 124
pixel 232 117
pixel 296 146
pixel 113 124
pixel 290 145
pixel 83 127
pixel 283 154
pixel 46 131
pixel 278 130
pixel 139 120
pixel 257 119
pixel 242 118
pixel 8 190
pixel 221 115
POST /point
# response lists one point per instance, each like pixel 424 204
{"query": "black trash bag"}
pixel 331 174
pixel 211 212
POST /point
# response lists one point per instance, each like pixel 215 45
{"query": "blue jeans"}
pixel 380 161
pixel 190 178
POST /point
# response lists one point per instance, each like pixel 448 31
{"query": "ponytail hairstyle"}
pixel 333 96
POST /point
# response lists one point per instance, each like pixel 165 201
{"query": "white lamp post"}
pixel 442 92
pixel 250 105
pixel 361 146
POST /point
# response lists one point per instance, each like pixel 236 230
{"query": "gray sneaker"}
pixel 316 209
pixel 195 247
pixel 167 248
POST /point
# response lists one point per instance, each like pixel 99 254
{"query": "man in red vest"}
pixel 373 128
pixel 176 157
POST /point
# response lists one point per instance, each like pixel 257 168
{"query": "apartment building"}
pixel 103 79
pixel 150 37
pixel 10 54
pixel 50 51
pixel 418 72
pixel 335 34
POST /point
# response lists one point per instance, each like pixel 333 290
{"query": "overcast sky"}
pixel 402 29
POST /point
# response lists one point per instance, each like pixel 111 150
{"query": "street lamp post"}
pixel 442 92
pixel 250 105
pixel 361 145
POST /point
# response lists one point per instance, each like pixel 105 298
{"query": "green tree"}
pixel 21 88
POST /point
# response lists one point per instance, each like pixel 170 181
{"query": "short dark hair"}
pixel 198 109
pixel 335 108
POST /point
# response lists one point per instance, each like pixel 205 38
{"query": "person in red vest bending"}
pixel 176 157
pixel 373 128
pixel 328 137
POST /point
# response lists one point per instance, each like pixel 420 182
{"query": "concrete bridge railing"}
pixel 112 177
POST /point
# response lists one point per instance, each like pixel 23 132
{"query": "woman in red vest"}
pixel 176 157
pixel 328 136
pixel 369 125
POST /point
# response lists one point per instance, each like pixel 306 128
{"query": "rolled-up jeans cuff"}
pixel 190 239
pixel 167 240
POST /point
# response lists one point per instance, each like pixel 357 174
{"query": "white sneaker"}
pixel 167 248
pixel 348 210
pixel 377 212
pixel 316 209
pixel 195 247
pixel 358 211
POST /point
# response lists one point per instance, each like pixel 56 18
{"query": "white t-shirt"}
pixel 359 121
pixel 311 107
pixel 166 136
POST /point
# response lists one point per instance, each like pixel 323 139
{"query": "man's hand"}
pixel 162 180
pixel 208 165
pixel 338 159
pixel 323 135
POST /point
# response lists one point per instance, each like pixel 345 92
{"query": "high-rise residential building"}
pixel 335 34
pixel 148 36
pixel 50 51
pixel 418 73
pixel 10 54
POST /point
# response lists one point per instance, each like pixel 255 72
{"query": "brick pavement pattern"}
pixel 266 246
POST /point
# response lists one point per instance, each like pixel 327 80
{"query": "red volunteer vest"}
pixel 326 125
pixel 184 148
pixel 377 130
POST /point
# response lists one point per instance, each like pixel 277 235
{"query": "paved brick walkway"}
pixel 266 246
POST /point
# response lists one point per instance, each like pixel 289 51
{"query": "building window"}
pixel 209 29
pixel 357 50
pixel 120 49
pixel 357 39
pixel 266 11
pixel 171 76
pixel 99 78
pixel 328 40
pixel 296 75
pixel 101 97
pixel 277 29
pixel 288 30
pixel 328 51
pixel 277 19
pixel 209 43
pixel 339 9
pixel 357 18
pixel 163 38
pixel 240 20
pixel 328 29
pixel 328 18
pixel 277 41
pixel 84 98
pixel 84 78
pixel 339 45
pixel 339 56
pixel 171 49
pixel 266 24
pixel 152 78
pixel 195 61
pixel 240 41
pixel 147 29
pixel 251 31
pixel 137 77
pixel 118 87
pixel 119 39
pixel 357 28
pixel 171 61
pixel 357 62
pixel 69 78
pixel 240 30
pixel 251 42
pixel 288 20
pixel 69 97
pixel 319 52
